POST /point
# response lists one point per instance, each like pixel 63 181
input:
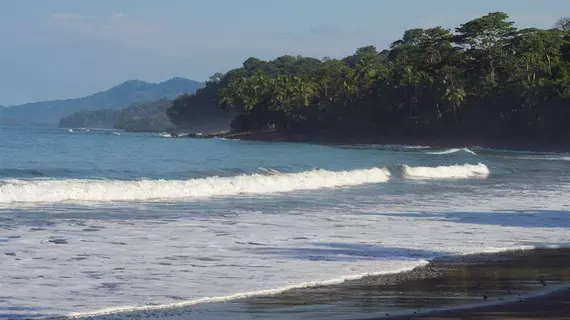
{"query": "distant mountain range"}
pixel 49 113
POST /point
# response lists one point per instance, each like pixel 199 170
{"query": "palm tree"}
pixel 412 82
pixel 364 75
pixel 455 96
pixel 304 91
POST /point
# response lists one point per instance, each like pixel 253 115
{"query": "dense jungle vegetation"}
pixel 485 79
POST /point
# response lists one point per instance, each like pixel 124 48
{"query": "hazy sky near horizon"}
pixel 68 48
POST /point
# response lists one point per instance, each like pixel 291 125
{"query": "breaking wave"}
pixel 447 172
pixel 452 151
pixel 64 190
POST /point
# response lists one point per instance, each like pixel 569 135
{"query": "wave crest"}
pixel 452 151
pixel 447 172
pixel 54 191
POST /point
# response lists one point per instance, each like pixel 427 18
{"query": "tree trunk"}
pixel 455 113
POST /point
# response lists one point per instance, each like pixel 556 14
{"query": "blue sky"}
pixel 68 48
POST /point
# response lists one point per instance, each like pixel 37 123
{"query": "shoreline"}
pixel 455 285
pixel 465 284
pixel 372 139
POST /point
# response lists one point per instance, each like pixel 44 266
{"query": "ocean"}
pixel 98 223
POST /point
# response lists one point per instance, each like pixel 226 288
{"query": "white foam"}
pixel 53 191
pixel 452 151
pixel 226 251
pixel 447 172
pixel 238 296
pixel 165 135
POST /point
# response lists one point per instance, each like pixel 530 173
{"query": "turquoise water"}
pixel 100 222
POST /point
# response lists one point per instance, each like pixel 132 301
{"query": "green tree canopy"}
pixel 488 79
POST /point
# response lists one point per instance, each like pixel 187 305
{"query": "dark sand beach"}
pixel 530 284
pixel 551 306
pixel 508 285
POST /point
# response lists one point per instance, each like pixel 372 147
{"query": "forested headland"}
pixel 487 79
pixel 144 117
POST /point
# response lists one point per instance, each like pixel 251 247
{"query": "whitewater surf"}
pixel 447 172
pixel 53 191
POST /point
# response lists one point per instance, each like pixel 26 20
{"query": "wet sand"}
pixel 483 286
pixel 444 284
